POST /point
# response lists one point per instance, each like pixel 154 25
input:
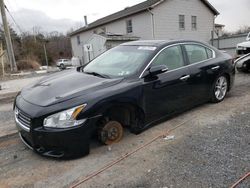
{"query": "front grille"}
pixel 22 117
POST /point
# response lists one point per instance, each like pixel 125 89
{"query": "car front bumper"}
pixel 59 143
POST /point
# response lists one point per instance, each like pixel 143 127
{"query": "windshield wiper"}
pixel 98 74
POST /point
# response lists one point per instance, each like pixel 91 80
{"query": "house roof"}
pixel 149 4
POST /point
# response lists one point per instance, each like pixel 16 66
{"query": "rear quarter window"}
pixel 197 53
pixel 209 53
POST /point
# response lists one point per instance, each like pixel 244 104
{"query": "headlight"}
pixel 65 119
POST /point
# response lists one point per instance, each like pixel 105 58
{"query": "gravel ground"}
pixel 7 119
pixel 211 149
pixel 220 157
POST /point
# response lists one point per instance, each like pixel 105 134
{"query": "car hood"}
pixel 64 86
pixel 244 44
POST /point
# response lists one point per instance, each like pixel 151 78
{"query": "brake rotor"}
pixel 111 132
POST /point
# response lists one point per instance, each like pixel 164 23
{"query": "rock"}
pixel 170 137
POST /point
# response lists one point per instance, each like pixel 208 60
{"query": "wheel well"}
pixel 228 80
pixel 126 114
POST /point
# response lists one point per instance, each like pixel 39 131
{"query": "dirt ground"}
pixel 210 148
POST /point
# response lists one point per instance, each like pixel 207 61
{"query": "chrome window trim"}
pixel 185 43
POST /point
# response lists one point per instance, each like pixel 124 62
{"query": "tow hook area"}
pixel 54 154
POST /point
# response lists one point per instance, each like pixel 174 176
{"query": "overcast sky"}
pixel 61 15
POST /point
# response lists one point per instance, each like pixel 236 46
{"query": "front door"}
pixel 168 92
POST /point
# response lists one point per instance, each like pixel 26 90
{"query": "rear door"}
pixel 204 69
pixel 168 92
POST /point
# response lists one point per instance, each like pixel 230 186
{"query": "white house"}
pixel 151 19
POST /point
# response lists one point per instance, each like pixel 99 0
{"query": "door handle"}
pixel 184 78
pixel 215 68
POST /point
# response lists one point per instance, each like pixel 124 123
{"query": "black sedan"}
pixel 132 85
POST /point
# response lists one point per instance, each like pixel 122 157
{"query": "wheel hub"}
pixel 111 132
pixel 221 88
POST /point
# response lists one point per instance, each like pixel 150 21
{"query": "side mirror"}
pixel 158 69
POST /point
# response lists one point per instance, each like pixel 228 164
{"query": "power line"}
pixel 7 38
pixel 13 19
pixel 9 4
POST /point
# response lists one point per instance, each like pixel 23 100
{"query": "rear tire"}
pixel 245 67
pixel 220 89
pixel 62 66
pixel 110 132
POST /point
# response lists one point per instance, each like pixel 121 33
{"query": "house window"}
pixel 194 22
pixel 78 39
pixel 182 22
pixel 129 26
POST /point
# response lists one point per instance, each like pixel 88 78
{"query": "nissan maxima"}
pixel 132 85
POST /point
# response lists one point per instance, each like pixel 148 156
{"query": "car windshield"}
pixel 120 61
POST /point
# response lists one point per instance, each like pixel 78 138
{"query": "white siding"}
pixel 98 46
pixel 166 16
pixel 117 27
pixel 141 26
pixel 78 48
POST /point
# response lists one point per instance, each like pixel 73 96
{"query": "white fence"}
pixel 229 43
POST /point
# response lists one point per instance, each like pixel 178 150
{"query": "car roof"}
pixel 158 43
pixel 145 43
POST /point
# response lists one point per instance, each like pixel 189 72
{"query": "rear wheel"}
pixel 62 66
pixel 220 89
pixel 110 132
pixel 246 67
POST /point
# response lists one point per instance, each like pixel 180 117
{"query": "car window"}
pixel 120 61
pixel 196 53
pixel 209 53
pixel 171 57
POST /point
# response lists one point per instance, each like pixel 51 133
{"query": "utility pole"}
pixel 1 56
pixel 10 51
pixel 45 54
